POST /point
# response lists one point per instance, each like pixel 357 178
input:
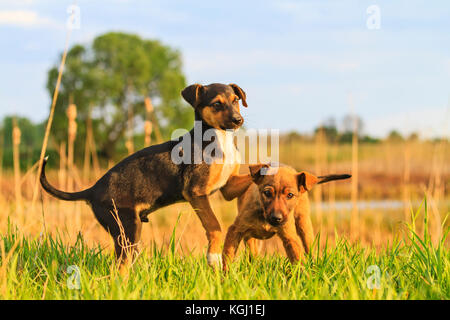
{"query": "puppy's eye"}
pixel 290 195
pixel 236 100
pixel 267 193
pixel 217 105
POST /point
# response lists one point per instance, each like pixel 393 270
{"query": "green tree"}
pixel 414 136
pixel 116 71
pixel 329 129
pixel 394 136
pixel 30 140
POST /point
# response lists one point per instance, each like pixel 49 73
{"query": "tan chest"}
pixel 262 233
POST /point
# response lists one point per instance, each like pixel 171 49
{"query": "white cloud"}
pixel 23 18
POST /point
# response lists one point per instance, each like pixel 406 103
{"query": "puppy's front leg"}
pixel 291 243
pixel 303 222
pixel 209 221
pixel 236 186
pixel 253 246
pixel 231 245
pixel 293 248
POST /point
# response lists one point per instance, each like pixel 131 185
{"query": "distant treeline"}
pixel 343 133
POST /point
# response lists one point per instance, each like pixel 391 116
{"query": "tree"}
pixel 369 139
pixel 414 136
pixel 329 129
pixel 30 141
pixel 116 72
pixel 348 123
pixel 395 136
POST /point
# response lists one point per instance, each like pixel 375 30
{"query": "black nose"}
pixel 276 218
pixel 237 119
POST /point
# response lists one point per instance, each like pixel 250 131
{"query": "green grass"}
pixel 411 268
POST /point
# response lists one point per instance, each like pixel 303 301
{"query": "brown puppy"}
pixel 150 178
pixel 276 203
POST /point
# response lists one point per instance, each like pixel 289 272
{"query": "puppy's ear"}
pixel 306 181
pixel 192 94
pixel 257 171
pixel 240 93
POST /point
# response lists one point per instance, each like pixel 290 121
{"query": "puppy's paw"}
pixel 214 260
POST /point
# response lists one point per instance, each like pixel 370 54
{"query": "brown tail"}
pixel 69 196
pixel 332 177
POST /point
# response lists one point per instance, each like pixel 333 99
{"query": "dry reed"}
pixel 148 122
pixel 16 155
pixel 317 194
pixel 52 112
pixel 354 222
pixel 71 135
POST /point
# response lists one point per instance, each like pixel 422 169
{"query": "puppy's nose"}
pixel 276 218
pixel 237 119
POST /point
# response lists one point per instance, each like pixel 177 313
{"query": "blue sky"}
pixel 300 62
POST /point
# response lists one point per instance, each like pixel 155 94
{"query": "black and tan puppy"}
pixel 150 178
pixel 275 204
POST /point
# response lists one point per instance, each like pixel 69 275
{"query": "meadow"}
pixel 45 267
pixel 397 249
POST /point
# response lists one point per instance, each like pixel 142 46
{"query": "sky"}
pixel 300 62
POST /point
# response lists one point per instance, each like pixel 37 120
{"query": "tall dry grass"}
pixel 16 134
pixel 378 175
pixel 382 224
pixel 148 121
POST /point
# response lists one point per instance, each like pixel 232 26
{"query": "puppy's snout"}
pixel 237 119
pixel 276 218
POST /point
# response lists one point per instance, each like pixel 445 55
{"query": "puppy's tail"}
pixel 331 177
pixel 69 196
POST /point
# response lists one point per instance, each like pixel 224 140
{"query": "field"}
pixel 398 249
pixel 40 268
